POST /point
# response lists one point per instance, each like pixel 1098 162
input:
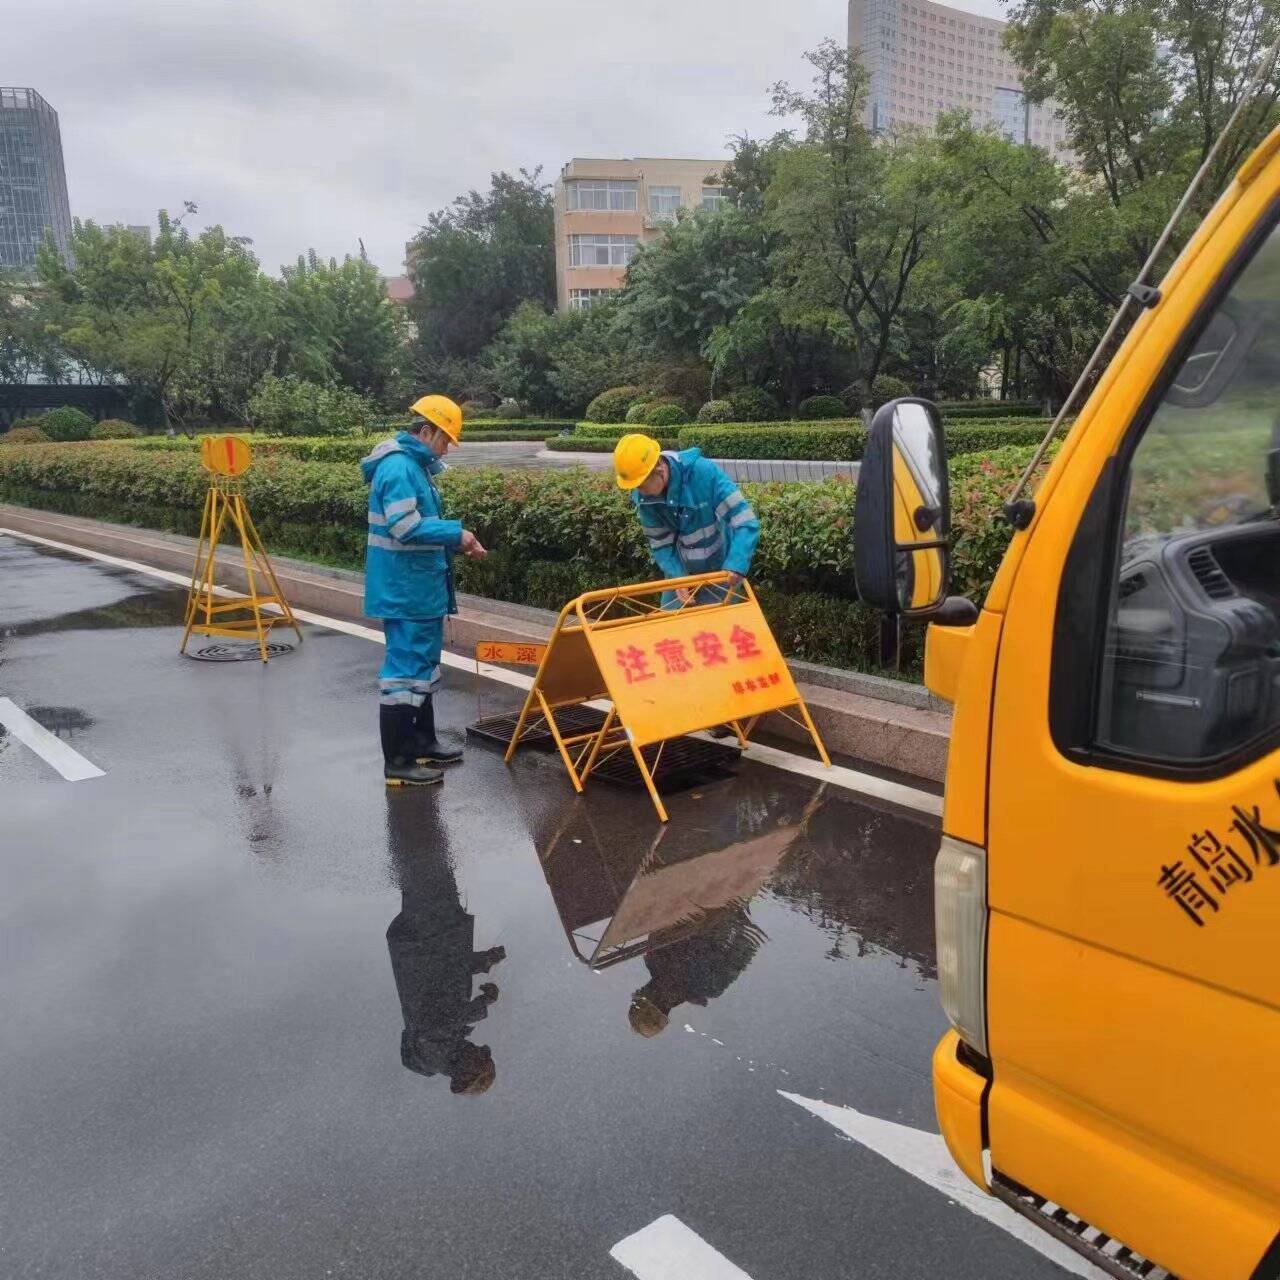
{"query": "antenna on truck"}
pixel 1019 511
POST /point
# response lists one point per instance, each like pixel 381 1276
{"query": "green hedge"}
pixel 595 444
pixel 989 409
pixel 552 534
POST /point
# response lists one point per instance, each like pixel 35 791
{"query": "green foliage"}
pixel 26 422
pixel 114 429
pixel 291 407
pixel 716 411
pixel 509 410
pixel 23 433
pixel 753 404
pixel 842 443
pixel 635 414
pixel 475 409
pixel 854 398
pixel 612 405
pixel 342 327
pixel 953 410
pixel 67 423
pixel 600 444
pixel 474 263
pixel 665 415
pixel 818 407
pixel 885 389
pixel 553 534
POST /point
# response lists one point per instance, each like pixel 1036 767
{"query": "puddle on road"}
pixel 147 609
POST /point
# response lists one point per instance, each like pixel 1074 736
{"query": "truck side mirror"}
pixel 902 515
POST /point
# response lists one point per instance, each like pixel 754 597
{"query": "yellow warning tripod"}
pixel 212 612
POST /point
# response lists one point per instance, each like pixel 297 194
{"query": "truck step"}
pixel 1113 1257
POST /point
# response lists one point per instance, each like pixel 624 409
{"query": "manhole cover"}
pixel 572 721
pixel 684 763
pixel 239 652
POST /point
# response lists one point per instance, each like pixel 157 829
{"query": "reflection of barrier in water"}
pixel 616 902
pixel 213 613
pixel 668 666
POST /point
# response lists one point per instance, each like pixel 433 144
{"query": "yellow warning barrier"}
pixel 704 662
pixel 209 612
pixel 521 655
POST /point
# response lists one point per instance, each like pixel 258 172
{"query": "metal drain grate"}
pixel 572 721
pixel 684 763
pixel 239 652
pixel 1113 1257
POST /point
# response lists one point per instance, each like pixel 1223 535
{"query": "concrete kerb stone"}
pixel 889 723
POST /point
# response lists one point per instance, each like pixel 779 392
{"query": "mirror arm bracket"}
pixel 1020 513
pixel 1145 295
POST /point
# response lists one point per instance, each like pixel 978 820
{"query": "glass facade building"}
pixel 33 182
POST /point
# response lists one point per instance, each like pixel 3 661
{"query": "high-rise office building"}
pixel 605 208
pixel 33 182
pixel 925 59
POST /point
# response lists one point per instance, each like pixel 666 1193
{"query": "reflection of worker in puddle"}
pixel 431 944
pixel 694 969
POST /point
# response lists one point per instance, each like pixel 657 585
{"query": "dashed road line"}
pixel 925 1156
pixel 48 746
pixel 867 784
pixel 668 1250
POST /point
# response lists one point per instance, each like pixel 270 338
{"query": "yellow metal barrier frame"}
pixel 599 611
pixel 207 614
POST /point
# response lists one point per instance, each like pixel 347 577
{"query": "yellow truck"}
pixel 1108 885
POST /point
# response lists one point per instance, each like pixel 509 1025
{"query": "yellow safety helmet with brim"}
pixel 634 459
pixel 441 412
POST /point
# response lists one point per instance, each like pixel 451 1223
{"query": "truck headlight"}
pixel 960 923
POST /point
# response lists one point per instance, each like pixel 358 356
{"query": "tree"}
pixel 475 262
pixel 858 215
pixel 556 362
pixel 149 314
pixel 1145 87
pixel 341 325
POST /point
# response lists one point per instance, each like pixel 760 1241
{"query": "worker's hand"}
pixel 685 595
pixel 471 546
pixel 735 580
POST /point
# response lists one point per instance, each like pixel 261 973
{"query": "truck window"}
pixel 1190 670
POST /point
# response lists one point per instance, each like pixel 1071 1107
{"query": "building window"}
pixel 712 197
pixel 664 201
pixel 585 299
pixel 602 193
pixel 601 251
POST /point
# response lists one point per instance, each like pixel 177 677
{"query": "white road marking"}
pixel 48 746
pixel 867 784
pixel 668 1250
pixel 925 1156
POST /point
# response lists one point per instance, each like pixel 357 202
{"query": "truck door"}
pixel 1134 826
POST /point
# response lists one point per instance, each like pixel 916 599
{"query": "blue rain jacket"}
pixel 408 566
pixel 702 523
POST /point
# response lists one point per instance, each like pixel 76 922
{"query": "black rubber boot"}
pixel 399 767
pixel 428 749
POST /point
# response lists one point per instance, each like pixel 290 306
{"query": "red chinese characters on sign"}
pixel 670 656
pixel 635 664
pixel 673 657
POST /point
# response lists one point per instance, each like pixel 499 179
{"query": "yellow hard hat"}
pixel 441 412
pixel 634 457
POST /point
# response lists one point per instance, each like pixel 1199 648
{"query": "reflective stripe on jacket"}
pixel 702 523
pixel 408 566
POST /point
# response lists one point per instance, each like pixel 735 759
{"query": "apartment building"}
pixel 925 59
pixel 605 208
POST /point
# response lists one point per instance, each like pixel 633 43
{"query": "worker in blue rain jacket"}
pixel 694 517
pixel 408 583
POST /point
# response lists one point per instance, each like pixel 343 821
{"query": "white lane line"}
pixel 925 1156
pixel 48 746
pixel 668 1250
pixel 867 784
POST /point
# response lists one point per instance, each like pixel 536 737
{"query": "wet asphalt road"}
pixel 237 969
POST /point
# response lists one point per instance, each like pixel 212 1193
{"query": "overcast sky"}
pixel 310 123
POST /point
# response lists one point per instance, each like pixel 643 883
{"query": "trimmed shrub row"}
pixel 552 534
